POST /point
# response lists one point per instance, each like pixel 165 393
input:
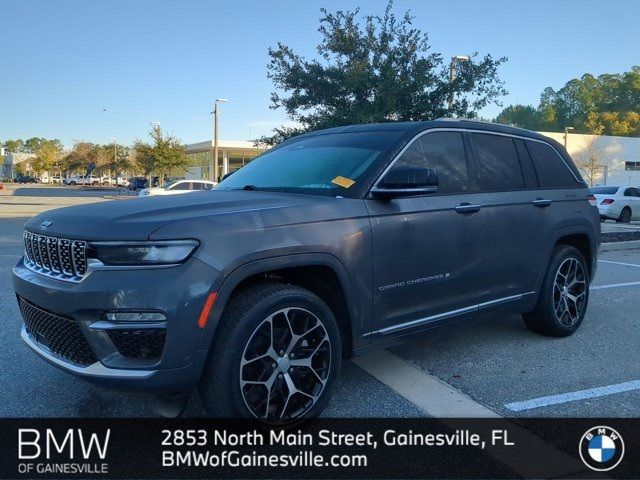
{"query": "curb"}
pixel 617 246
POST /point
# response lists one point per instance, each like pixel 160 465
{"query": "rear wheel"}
pixel 564 296
pixel 275 357
pixel 625 215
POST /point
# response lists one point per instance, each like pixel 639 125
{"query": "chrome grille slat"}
pixel 64 246
pixel 36 250
pixel 55 257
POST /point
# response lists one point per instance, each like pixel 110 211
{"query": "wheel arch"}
pixel 581 239
pixel 321 273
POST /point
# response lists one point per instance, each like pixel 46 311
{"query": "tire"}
pixel 625 215
pixel 73 183
pixel 556 314
pixel 247 329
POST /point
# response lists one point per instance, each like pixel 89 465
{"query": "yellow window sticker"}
pixel 344 182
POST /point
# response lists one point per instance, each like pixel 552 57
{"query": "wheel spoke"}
pixel 569 291
pixel 281 377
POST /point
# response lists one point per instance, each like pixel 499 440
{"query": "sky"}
pixel 103 70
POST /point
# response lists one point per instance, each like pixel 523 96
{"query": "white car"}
pixel 618 203
pixel 179 186
pixel 82 180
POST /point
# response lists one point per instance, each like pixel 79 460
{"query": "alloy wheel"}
pixel 569 292
pixel 285 365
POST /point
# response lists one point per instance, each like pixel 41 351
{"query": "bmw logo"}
pixel 601 448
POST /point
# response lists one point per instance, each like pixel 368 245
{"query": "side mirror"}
pixel 405 182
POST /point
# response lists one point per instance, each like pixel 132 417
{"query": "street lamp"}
pixel 566 135
pixel 452 76
pixel 214 157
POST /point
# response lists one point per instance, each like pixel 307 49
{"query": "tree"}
pixel 590 159
pixel 33 145
pixel 13 146
pixel 48 154
pixel 79 158
pixel 165 155
pixel 379 70
pixel 525 116
pixel 608 104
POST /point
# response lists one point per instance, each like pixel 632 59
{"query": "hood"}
pixel 139 217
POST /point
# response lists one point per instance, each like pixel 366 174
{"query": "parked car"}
pixel 618 203
pixel 82 180
pixel 138 183
pixel 55 179
pixel 179 186
pixel 329 245
pixel 26 179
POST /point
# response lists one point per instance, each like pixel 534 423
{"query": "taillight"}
pixel 606 201
pixel 592 200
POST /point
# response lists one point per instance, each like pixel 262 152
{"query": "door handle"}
pixel 541 202
pixel 468 208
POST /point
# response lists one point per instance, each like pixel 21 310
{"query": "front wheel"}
pixel 564 295
pixel 275 357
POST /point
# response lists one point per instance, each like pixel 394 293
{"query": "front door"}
pixel 425 248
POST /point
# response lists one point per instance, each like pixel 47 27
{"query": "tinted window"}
pixel 498 164
pixel 444 152
pixel 551 169
pixel 604 190
pixel 528 172
pixel 631 192
pixel 197 185
pixel 181 186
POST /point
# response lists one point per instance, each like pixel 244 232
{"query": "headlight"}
pixel 142 253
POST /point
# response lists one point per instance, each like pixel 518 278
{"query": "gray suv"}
pixel 331 244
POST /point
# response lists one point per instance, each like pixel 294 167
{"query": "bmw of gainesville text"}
pixel 231 448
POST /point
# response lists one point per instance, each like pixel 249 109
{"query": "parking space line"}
pixel 614 285
pixel 573 396
pixel 620 263
pixel 439 399
pixel 433 396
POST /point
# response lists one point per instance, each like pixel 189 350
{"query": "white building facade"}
pixel 615 160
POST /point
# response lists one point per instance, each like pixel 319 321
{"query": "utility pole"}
pixel 566 135
pixel 452 76
pixel 214 165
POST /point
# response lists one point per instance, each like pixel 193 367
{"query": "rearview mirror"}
pixel 404 182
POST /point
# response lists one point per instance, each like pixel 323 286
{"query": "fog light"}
pixel 135 316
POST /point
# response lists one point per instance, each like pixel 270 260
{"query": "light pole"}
pixel 566 135
pixel 214 157
pixel 452 76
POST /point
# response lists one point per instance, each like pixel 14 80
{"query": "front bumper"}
pixel 178 293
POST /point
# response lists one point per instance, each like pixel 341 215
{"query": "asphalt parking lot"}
pixel 490 364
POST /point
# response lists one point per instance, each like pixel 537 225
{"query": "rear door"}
pixel 632 197
pixel 514 221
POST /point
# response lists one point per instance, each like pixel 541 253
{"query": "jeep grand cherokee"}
pixel 332 243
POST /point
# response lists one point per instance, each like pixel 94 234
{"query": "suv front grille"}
pixel 61 335
pixel 142 343
pixel 55 257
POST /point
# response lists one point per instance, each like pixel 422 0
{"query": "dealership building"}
pixel 231 154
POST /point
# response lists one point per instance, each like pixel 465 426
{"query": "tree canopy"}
pixel 377 69
pixel 608 104
pixel 165 155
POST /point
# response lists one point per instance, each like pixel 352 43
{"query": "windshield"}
pixel 604 190
pixel 328 164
